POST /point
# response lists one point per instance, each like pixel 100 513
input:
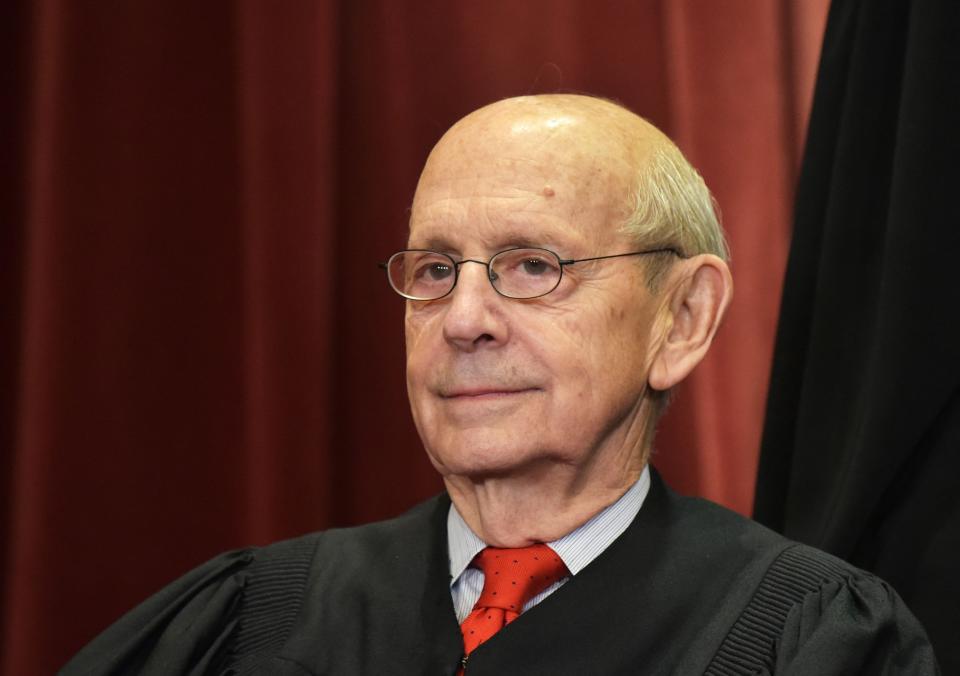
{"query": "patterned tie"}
pixel 511 578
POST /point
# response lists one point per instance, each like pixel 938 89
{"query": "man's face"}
pixel 499 385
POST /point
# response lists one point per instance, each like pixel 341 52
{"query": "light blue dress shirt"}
pixel 577 549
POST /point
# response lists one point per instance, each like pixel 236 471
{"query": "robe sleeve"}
pixel 185 628
pixel 856 626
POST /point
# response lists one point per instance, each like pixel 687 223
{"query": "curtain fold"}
pixel 204 354
pixel 287 208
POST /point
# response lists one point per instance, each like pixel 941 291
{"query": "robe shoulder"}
pixel 851 623
pixel 193 625
pixel 806 611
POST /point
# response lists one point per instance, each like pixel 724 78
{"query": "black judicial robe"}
pixel 688 588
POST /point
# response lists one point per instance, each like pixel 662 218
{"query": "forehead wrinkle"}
pixel 497 238
pixel 451 212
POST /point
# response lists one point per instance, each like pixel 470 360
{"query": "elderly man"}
pixel 564 270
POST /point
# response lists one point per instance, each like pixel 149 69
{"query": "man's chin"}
pixel 491 459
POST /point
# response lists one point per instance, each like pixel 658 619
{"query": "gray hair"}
pixel 673 208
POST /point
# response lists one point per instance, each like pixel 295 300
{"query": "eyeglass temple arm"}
pixel 571 261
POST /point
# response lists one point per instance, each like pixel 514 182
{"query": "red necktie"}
pixel 511 578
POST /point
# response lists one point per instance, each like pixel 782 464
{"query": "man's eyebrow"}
pixel 432 243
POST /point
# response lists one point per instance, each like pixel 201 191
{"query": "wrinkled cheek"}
pixel 416 385
pixel 411 337
pixel 435 432
pixel 423 333
pixel 416 347
pixel 423 418
pixel 416 380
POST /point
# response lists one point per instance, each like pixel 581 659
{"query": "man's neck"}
pixel 516 511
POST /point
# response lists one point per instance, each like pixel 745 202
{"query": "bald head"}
pixel 590 125
pixel 620 168
pixel 607 144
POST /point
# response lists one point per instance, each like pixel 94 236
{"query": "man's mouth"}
pixel 480 393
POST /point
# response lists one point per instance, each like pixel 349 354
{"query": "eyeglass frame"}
pixel 562 263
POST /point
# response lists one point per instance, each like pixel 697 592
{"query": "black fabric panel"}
pixel 378 600
pixel 860 453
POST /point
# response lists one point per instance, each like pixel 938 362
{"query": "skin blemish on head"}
pixel 548 191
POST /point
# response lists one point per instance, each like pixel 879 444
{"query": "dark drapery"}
pixel 197 351
pixel 861 447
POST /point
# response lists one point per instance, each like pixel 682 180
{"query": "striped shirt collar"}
pixel 577 549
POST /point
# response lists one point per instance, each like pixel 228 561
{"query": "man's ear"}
pixel 698 293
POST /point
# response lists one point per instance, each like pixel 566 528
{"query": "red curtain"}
pixel 197 351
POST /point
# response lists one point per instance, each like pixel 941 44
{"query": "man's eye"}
pixel 437 271
pixel 535 266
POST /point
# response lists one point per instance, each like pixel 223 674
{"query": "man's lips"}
pixel 467 393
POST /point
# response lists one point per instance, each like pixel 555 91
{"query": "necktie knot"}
pixel 514 576
pixel 511 577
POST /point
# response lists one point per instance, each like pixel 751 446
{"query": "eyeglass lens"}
pixel 515 273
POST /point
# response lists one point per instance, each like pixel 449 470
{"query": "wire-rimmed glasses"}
pixel 522 273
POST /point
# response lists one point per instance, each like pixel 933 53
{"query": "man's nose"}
pixel 474 316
